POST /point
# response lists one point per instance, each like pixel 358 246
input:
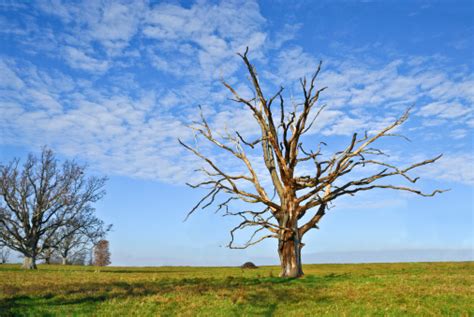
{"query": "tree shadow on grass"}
pixel 276 291
pixel 262 295
pixel 82 269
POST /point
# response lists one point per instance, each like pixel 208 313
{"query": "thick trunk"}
pixel 64 260
pixel 290 257
pixel 29 263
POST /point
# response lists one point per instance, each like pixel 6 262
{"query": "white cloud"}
pixel 444 110
pixel 78 59
pixel 345 126
pixel 203 38
pixel 8 78
pixel 110 23
pixel 293 64
pixel 120 134
pixel 393 86
pixel 454 167
pixel 145 68
pixel 459 133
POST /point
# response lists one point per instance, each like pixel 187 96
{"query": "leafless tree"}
pixel 4 254
pixel 78 258
pixel 79 235
pixel 292 195
pixel 39 199
pixel 102 253
pixel 48 255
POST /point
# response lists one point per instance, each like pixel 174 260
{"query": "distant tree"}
pixel 77 237
pixel 72 242
pixel 77 258
pixel 47 255
pixel 4 254
pixel 303 182
pixel 50 256
pixel 41 198
pixel 102 253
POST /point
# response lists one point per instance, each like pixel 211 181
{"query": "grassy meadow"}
pixel 417 289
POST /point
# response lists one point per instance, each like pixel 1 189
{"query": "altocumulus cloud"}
pixel 116 83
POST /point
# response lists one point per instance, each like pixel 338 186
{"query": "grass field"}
pixel 421 289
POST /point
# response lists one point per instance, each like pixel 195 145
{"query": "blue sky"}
pixel 114 84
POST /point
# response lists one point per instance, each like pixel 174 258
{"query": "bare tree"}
pixel 39 199
pixel 78 258
pixel 102 253
pixel 48 255
pixel 79 235
pixel 4 254
pixel 293 194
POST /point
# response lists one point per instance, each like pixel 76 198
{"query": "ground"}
pixel 426 289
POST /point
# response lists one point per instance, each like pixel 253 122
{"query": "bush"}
pixel 248 265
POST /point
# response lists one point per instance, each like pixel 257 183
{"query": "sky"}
pixel 114 84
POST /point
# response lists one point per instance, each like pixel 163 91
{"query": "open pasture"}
pixel 428 289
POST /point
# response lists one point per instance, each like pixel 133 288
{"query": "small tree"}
pixel 102 253
pixel 39 199
pixel 301 196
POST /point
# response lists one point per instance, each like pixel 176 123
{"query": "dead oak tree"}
pixel 41 198
pixel 296 195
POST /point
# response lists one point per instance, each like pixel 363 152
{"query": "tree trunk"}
pixel 29 263
pixel 47 256
pixel 290 257
pixel 64 260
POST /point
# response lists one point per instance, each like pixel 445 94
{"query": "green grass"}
pixel 417 289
